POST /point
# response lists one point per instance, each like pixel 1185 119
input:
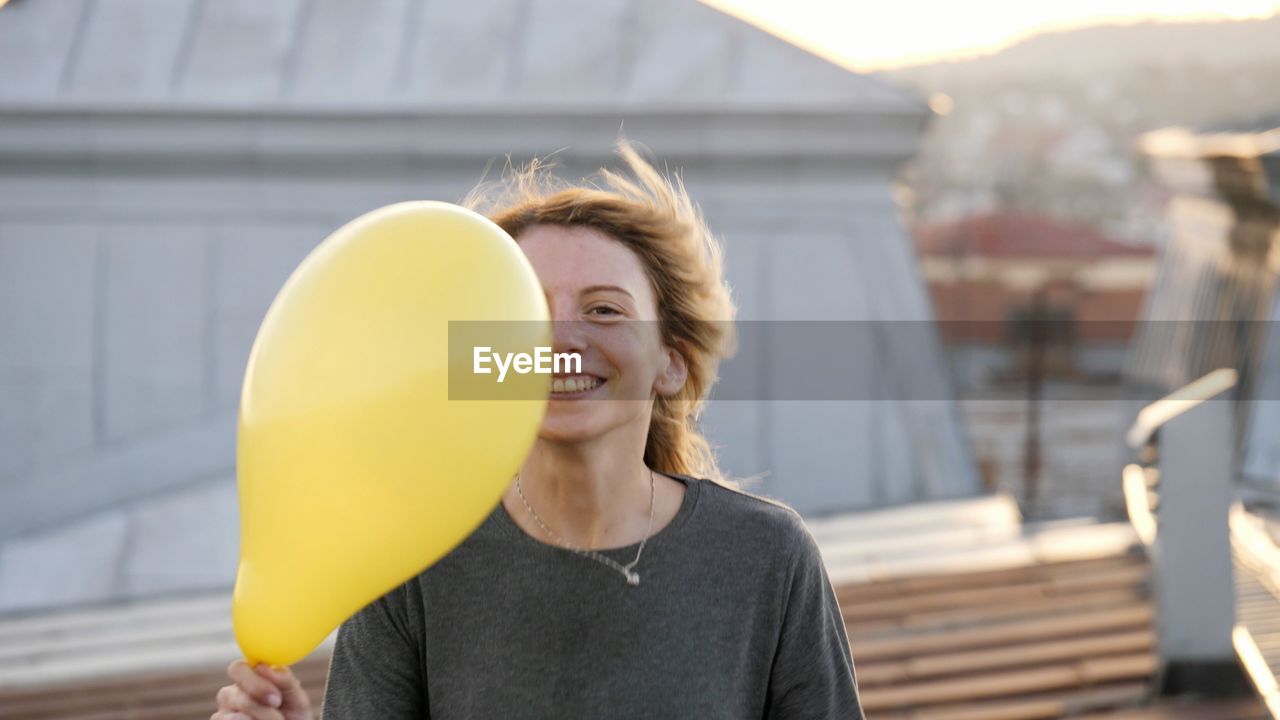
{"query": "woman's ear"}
pixel 672 378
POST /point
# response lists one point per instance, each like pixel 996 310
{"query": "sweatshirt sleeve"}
pixel 812 675
pixel 376 669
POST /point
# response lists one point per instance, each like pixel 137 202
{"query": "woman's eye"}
pixel 603 310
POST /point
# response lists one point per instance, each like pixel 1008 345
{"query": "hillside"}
pixel 1048 125
pixel 1083 52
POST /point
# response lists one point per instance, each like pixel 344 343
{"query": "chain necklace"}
pixel 628 571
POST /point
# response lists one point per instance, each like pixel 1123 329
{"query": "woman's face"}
pixel 603 308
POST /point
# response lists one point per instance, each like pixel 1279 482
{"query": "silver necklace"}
pixel 628 571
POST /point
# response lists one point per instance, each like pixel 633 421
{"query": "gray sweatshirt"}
pixel 734 617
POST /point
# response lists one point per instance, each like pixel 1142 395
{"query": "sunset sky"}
pixel 873 36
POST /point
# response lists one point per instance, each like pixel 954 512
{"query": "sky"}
pixel 882 35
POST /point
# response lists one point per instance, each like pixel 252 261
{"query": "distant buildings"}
pixel 990 275
pixel 1036 313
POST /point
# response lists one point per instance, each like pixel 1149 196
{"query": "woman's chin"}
pixel 577 423
pixel 568 434
pixel 581 420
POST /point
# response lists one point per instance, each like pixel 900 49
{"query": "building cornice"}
pixel 61 136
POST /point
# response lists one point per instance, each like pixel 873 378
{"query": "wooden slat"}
pixel 927 583
pixel 113 618
pixel 989 614
pixel 154 696
pixel 118 641
pixel 1002 684
pixel 1134 617
pixel 1040 706
pixel 1051 546
pixel 1229 709
pixel 164 634
pixel 1109 578
pixel 1016 656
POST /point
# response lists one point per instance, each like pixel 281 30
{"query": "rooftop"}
pixel 349 56
pixel 1015 235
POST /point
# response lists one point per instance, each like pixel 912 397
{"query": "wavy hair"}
pixel 654 217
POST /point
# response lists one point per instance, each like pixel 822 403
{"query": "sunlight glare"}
pixel 910 32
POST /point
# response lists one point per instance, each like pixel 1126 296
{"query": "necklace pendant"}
pixel 633 578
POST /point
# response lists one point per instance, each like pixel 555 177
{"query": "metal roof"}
pixel 398 55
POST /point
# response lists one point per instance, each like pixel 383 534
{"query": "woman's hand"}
pixel 262 693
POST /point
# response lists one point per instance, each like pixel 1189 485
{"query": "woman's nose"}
pixel 566 330
pixel 567 335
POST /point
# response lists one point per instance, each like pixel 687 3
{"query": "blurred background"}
pixel 1077 201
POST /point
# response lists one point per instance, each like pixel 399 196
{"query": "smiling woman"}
pixel 621 576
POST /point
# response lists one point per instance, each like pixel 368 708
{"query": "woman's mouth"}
pixel 574 386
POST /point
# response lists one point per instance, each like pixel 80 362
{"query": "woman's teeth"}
pixel 574 384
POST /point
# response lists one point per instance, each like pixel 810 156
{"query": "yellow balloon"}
pixel 356 470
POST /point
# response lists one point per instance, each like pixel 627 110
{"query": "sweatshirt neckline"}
pixel 692 485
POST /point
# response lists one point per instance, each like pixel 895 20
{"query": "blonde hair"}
pixel 655 218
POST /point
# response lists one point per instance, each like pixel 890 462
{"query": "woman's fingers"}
pixel 263 693
pixel 258 687
pixel 233 698
pixel 224 715
pixel 294 697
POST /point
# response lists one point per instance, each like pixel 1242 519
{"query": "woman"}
pixel 619 577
